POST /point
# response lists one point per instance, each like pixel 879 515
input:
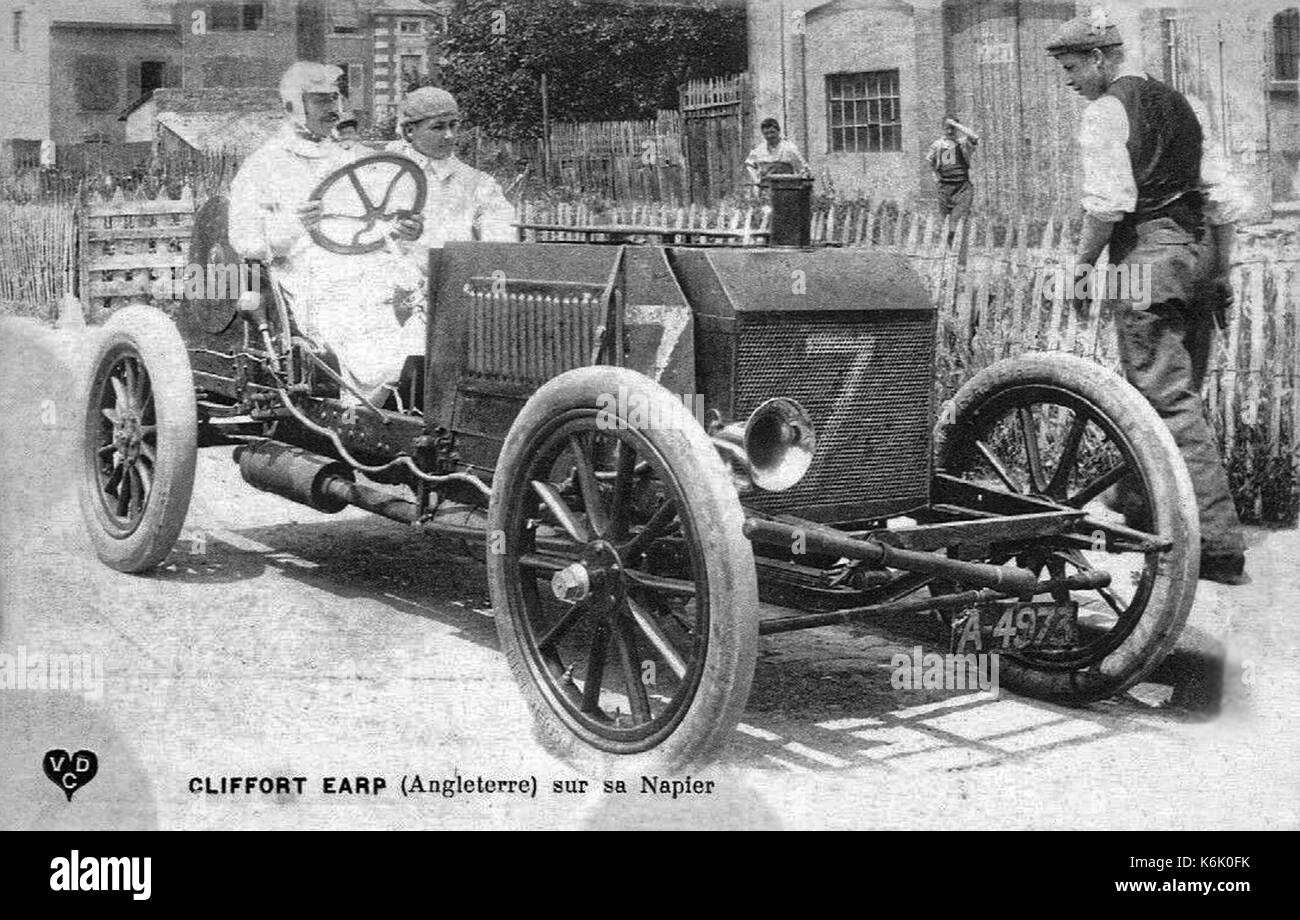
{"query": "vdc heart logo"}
pixel 70 771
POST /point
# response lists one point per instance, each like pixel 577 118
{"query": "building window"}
pixel 353 82
pixel 410 72
pixel 236 17
pixel 409 27
pixel 1286 45
pixel 18 30
pixel 95 82
pixel 864 112
pixel 27 154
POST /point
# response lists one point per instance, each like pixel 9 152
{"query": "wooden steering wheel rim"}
pixel 373 212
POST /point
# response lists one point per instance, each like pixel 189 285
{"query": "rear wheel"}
pixel 1058 427
pixel 139 440
pixel 624 588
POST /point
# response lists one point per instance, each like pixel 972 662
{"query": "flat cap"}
pixel 427 102
pixel 1084 33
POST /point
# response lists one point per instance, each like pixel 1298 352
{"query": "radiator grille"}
pixel 867 382
pixel 522 332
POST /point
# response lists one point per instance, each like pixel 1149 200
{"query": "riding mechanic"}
pixel 1157 194
pixel 463 203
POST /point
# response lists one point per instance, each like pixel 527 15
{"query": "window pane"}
pixel 96 83
pixel 223 17
pixel 1286 45
pixel 863 112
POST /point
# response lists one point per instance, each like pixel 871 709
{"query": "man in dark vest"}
pixel 1168 217
pixel 950 157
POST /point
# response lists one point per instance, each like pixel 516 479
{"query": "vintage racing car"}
pixel 645 439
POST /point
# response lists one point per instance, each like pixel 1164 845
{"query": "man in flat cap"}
pixel 1156 194
pixel 463 203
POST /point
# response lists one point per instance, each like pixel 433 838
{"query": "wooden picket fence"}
pixel 37 249
pixel 628 160
pixel 734 226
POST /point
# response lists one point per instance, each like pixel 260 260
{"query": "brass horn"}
pixel 774 449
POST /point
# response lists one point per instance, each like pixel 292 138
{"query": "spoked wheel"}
pixel 1061 428
pixel 139 440
pixel 624 588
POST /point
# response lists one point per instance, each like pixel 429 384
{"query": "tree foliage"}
pixel 603 60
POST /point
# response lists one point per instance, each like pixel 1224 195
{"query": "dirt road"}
pixel 278 642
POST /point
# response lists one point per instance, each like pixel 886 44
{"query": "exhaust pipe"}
pixel 773 450
pixel 293 473
pixel 330 486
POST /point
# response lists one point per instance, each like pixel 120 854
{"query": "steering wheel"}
pixel 374 170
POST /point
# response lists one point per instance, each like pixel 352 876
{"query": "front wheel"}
pixel 624 589
pixel 1060 428
pixel 139 446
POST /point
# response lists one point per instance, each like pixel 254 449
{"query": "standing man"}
pixel 463 203
pixel 1147 196
pixel 949 157
pixel 775 156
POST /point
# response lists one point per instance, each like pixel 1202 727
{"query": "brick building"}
pixel 407 40
pixel 863 87
pixel 68 68
pixel 382 46
pixel 246 44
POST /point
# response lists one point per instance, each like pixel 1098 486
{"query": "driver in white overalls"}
pixel 344 302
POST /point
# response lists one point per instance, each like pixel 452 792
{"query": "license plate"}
pixel 1016 626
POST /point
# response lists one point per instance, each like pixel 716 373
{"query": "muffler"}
pixel 293 473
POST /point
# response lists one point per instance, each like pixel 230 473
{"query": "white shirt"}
pixel 271 184
pixel 943 144
pixel 463 203
pixel 761 156
pixel 1109 189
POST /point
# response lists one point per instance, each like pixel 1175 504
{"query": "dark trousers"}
pixel 955 199
pixel 1164 349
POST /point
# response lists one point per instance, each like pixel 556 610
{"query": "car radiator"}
pixel 867 381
